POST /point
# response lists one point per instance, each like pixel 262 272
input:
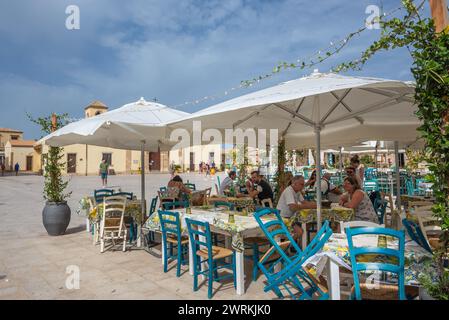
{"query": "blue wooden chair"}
pixel 370 185
pixel 275 230
pixel 128 195
pixel 102 193
pixel 175 204
pixel 150 213
pixel 171 235
pixel 228 205
pixel 387 265
pixel 190 186
pixel 295 267
pixel 380 206
pixel 212 258
pixel 416 234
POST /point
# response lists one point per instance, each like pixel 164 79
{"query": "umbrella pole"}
pixel 142 189
pixel 398 177
pixel 341 164
pixel 318 175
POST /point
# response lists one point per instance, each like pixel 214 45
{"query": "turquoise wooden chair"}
pixel 228 205
pixel 150 213
pixel 175 204
pixel 212 258
pixel 275 229
pixel 163 189
pixel 415 233
pixel 380 206
pixel 191 186
pixel 296 267
pixel 128 195
pixel 370 185
pixel 171 235
pixel 385 266
pixel 101 193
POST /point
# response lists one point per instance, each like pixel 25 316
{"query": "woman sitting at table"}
pixel 176 188
pixel 357 199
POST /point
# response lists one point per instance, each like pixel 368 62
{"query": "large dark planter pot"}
pixel 56 217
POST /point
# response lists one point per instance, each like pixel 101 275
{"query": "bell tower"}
pixel 94 109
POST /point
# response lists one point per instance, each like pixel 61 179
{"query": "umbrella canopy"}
pixel 321 109
pixel 347 110
pixel 135 126
pixel 122 128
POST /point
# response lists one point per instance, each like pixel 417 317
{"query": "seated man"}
pixel 291 201
pixel 227 182
pixel 262 189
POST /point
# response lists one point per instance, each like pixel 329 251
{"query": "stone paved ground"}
pixel 33 264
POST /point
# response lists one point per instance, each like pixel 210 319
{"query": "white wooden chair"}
pixel 430 226
pixel 359 224
pixel 112 226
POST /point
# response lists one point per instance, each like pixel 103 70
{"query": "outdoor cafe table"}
pixel 405 199
pixel 133 209
pixel 336 213
pixel 335 253
pixel 239 203
pixel 244 227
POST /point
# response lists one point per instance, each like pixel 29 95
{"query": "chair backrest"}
pixel 153 205
pixel 416 234
pixel 370 185
pixel 191 186
pixel 228 205
pixel 101 193
pixel 359 224
pixel 410 187
pixel 380 206
pixel 208 191
pixel 217 190
pixel 128 195
pixel 113 212
pixel 295 266
pixel 170 224
pixel 266 203
pixel 199 236
pixel 275 228
pixel 163 189
pixel 392 255
pixel 175 204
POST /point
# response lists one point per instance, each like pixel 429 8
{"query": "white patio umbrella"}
pixel 321 109
pixel 135 126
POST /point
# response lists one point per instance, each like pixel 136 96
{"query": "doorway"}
pixel 71 163
pixel 29 164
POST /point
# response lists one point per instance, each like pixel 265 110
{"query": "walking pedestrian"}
pixel 104 167
pixel 16 168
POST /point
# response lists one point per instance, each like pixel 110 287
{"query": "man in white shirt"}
pixel 227 182
pixel 291 199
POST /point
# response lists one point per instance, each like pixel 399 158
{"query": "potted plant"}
pixel 56 213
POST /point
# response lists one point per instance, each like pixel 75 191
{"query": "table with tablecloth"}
pixel 94 211
pixel 239 203
pixel 335 254
pixel 243 227
pixel 406 199
pixel 334 214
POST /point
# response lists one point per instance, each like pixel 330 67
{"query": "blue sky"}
pixel 172 50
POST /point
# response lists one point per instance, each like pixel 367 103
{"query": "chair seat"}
pixel 217 253
pixel 173 239
pixel 368 291
pixel 261 241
